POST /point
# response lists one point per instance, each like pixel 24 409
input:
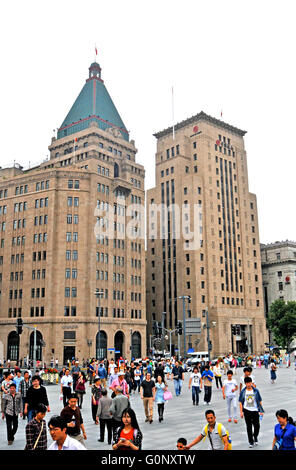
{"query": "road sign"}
pixel 111 349
pixel 193 326
pixel 117 352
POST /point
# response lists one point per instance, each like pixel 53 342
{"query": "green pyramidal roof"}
pixel 93 104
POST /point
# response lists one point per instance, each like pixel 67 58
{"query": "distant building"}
pixel 278 272
pixel 202 178
pixel 55 250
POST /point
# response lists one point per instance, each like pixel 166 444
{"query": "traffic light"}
pixel 155 328
pixel 179 328
pixel 233 329
pixel 19 326
pixel 159 329
pixel 237 330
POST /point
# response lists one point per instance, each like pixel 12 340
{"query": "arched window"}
pixel 118 344
pixel 136 345
pixel 13 346
pixel 116 170
pixel 39 342
pixel 101 345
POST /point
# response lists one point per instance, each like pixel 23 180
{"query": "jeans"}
pixel 178 386
pixel 195 394
pixel 66 394
pixel 233 401
pixel 160 407
pixel 252 421
pixel 31 414
pixel 208 393
pixel 11 425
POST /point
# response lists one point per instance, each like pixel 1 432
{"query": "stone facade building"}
pixel 202 178
pixel 64 227
pixel 278 272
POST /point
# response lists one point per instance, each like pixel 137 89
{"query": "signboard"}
pixel 193 326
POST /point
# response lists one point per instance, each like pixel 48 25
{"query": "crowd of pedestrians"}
pixel 111 385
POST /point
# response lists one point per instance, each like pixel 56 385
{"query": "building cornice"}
pixel 200 117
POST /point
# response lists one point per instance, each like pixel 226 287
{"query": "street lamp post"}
pixel 131 346
pixel 99 294
pixel 184 321
pixel 162 331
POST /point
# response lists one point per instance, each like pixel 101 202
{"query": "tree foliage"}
pixel 282 322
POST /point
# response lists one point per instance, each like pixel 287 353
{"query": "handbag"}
pixel 278 444
pixel 167 395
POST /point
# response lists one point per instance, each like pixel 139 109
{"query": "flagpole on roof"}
pixel 173 113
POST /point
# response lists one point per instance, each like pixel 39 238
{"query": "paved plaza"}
pixel 181 418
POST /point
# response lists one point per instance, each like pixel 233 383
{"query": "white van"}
pixel 198 356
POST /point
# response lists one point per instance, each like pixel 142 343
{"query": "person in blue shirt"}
pixel 18 379
pixel 102 373
pixel 207 377
pixel 284 431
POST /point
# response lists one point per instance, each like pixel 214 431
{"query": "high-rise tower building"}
pixel 205 242
pixel 63 235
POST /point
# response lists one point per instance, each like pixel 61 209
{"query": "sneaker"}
pixel 256 443
pixel 10 443
pixel 251 445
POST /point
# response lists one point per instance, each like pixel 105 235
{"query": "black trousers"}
pixel 94 409
pixel 253 424
pixel 11 425
pixel 66 394
pixel 103 424
pixel 218 381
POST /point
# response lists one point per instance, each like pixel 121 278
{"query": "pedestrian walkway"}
pixel 181 418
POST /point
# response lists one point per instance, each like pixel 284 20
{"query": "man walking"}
pixel 75 373
pixel 66 382
pixel 74 422
pixel 36 435
pixel 250 403
pixel 215 432
pixel 178 376
pixel 24 387
pixel 148 395
pixel 119 403
pixel 228 390
pixel 102 373
pixel 104 416
pixel 57 428
pixel 12 406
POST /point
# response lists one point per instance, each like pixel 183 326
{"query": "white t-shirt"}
pixel 229 386
pixel 111 368
pixel 195 379
pixel 250 402
pixel 218 444
pixel 66 380
pixel 242 380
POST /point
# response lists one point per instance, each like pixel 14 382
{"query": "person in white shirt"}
pixel 247 373
pixel 215 441
pixel 66 383
pixel 229 388
pixel 196 381
pixel 57 428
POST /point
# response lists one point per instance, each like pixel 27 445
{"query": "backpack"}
pixel 220 434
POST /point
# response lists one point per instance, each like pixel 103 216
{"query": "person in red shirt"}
pixel 128 435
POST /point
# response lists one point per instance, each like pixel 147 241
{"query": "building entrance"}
pixel 69 353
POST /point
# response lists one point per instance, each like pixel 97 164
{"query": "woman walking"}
pixel 80 387
pixel 128 435
pixel 284 432
pixel 196 382
pixel 273 368
pixel 96 393
pixel 161 387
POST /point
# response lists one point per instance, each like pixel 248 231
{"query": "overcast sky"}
pixel 234 56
